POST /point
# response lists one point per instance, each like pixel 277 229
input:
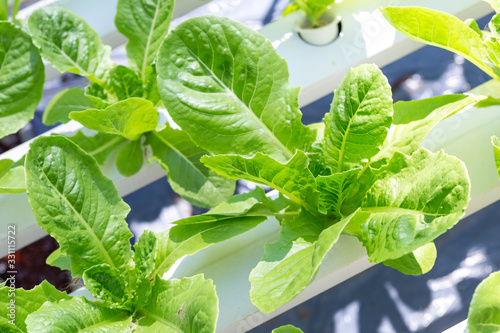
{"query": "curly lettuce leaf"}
pixel 292 179
pixel 26 302
pixel 359 119
pixel 189 305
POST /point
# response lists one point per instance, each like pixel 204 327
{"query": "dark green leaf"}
pixel 77 205
pixel 108 285
pixel 124 83
pixel 69 43
pixel 22 77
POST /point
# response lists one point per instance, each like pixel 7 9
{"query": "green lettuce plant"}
pixel 313 9
pixel 360 173
pixel 81 209
pixel 482 48
pixel 121 103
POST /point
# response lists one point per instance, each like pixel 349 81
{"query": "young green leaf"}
pixel 293 179
pixel 333 189
pixel 484 311
pixel 22 72
pixel 72 99
pixel 77 315
pixel 287 329
pixel 144 257
pixel 130 158
pixel 77 205
pixel 24 302
pixel 443 30
pixel 225 85
pixel 69 43
pixel 189 305
pixel 11 177
pixel 145 23
pixel 59 259
pixel 432 194
pixel 496 151
pixel 108 285
pixel 129 118
pixel 291 263
pixel 418 262
pixel 359 118
pixel 180 157
pixel 98 95
pixel 99 146
pixel 124 83
pixel 415 119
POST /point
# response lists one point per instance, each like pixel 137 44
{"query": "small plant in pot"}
pixel 319 25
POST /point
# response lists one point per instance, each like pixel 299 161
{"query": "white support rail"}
pixel 366 37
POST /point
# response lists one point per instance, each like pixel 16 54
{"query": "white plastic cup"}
pixel 322 35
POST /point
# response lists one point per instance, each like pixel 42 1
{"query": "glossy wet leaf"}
pixel 22 77
pixel 130 158
pixel 145 23
pixel 77 205
pixel 293 179
pixel 359 119
pixel 180 157
pixel 443 30
pixel 59 108
pixel 414 200
pixel 77 315
pixel 26 302
pixel 484 311
pixel 189 305
pixel 129 118
pixel 224 84
pixel 69 43
pixel 124 83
